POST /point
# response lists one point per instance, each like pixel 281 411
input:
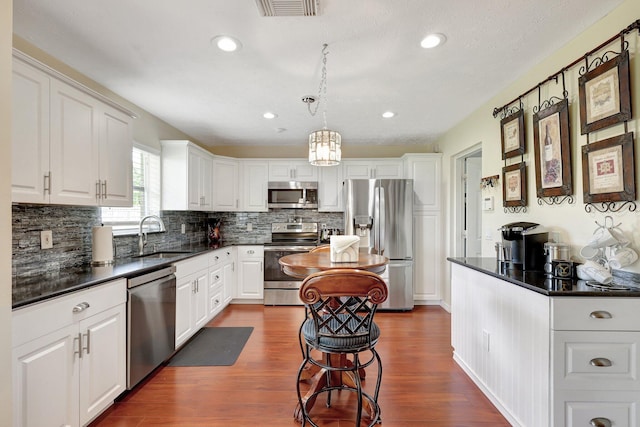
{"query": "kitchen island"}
pixel 547 351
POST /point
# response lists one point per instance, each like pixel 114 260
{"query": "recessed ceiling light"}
pixel 226 43
pixel 269 115
pixel 433 40
pixel 388 114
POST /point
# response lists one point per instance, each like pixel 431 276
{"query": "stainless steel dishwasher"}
pixel 151 322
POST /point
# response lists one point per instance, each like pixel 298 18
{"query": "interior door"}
pixel 473 208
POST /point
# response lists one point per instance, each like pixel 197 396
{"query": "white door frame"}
pixel 458 190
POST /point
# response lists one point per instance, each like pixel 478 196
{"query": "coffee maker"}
pixel 524 245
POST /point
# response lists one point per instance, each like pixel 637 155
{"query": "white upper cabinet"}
pixel 68 147
pixel 373 169
pixel 186 176
pixel 330 189
pixel 254 175
pixel 425 170
pixel 225 184
pixel 292 170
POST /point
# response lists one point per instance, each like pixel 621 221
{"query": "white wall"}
pixel 571 221
pixel 6 23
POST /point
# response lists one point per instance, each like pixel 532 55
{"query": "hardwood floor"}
pixel 421 384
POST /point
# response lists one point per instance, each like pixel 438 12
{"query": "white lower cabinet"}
pixel 69 357
pixel 192 288
pixel 547 361
pixel 428 257
pixel 596 361
pixel 250 272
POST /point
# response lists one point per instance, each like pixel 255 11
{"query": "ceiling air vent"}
pixel 288 7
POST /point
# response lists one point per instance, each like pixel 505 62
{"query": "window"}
pixel 146 193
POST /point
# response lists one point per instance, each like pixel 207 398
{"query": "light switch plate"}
pixel 46 239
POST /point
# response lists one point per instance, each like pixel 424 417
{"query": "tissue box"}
pixel 344 248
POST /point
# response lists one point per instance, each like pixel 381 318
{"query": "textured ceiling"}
pixel 158 55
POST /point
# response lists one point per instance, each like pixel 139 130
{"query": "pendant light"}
pixel 325 146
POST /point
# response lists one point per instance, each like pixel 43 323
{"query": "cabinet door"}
pixel 292 170
pixel 427 256
pixel 45 380
pixel 225 185
pixel 201 301
pixel 74 146
pixel 229 282
pixel 115 159
pixel 184 301
pixel 250 278
pixel 205 184
pixel 103 364
pixel 193 181
pixel 425 170
pixel 330 189
pixel 357 169
pixel 29 135
pixel 255 175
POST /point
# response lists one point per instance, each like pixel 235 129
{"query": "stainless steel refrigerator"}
pixel 380 211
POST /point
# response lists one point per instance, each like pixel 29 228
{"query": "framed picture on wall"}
pixel 514 185
pixel 605 94
pixel 552 148
pixel 608 170
pixel 512 135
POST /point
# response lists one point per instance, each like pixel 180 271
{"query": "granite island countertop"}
pixel 33 289
pixel 539 282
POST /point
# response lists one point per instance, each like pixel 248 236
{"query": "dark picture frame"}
pixel 512 135
pixel 552 148
pixel 608 170
pixel 605 94
pixel 514 185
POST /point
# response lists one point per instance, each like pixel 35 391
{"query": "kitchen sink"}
pixel 163 254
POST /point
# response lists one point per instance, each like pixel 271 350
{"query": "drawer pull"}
pixel 600 362
pixel 600 314
pixel 600 422
pixel 81 307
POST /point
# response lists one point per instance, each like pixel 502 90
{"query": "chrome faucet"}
pixel 142 240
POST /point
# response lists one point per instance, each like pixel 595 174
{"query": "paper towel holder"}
pixel 108 260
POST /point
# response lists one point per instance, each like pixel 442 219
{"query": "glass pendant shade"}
pixel 325 148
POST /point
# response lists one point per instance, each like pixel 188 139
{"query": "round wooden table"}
pixel 300 265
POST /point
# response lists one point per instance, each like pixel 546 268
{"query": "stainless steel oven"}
pixel 287 238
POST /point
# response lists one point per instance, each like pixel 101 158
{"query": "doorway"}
pixel 468 229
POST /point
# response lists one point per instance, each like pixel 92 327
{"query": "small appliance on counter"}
pixel 102 245
pixel 524 245
pixel 557 263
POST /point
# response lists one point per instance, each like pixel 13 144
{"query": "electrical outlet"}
pixel 249 226
pixel 46 239
pixel 183 228
pixel 486 338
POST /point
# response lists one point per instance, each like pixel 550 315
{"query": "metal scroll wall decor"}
pixel 552 146
pixel 607 166
pixel 514 177
pixel 608 172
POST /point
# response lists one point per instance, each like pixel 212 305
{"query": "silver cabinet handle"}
pixel 104 189
pixel 98 190
pixel 79 351
pixel 251 252
pixel 600 362
pixel 217 277
pixel 81 307
pixel 600 314
pixel 600 422
pixel 88 347
pixel 47 183
pixel 216 257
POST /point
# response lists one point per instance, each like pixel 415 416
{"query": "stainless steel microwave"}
pixel 293 195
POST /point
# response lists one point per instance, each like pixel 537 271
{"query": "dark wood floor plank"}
pixel 421 385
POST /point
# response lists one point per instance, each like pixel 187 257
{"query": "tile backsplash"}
pixel 71 227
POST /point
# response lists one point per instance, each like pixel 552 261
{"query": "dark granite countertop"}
pixel 537 281
pixel 32 289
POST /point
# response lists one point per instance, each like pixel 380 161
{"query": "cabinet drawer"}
pixel 220 256
pixel 191 265
pixel 595 314
pixel 246 252
pixel 611 409
pixel 596 360
pixel 215 277
pixel 36 320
